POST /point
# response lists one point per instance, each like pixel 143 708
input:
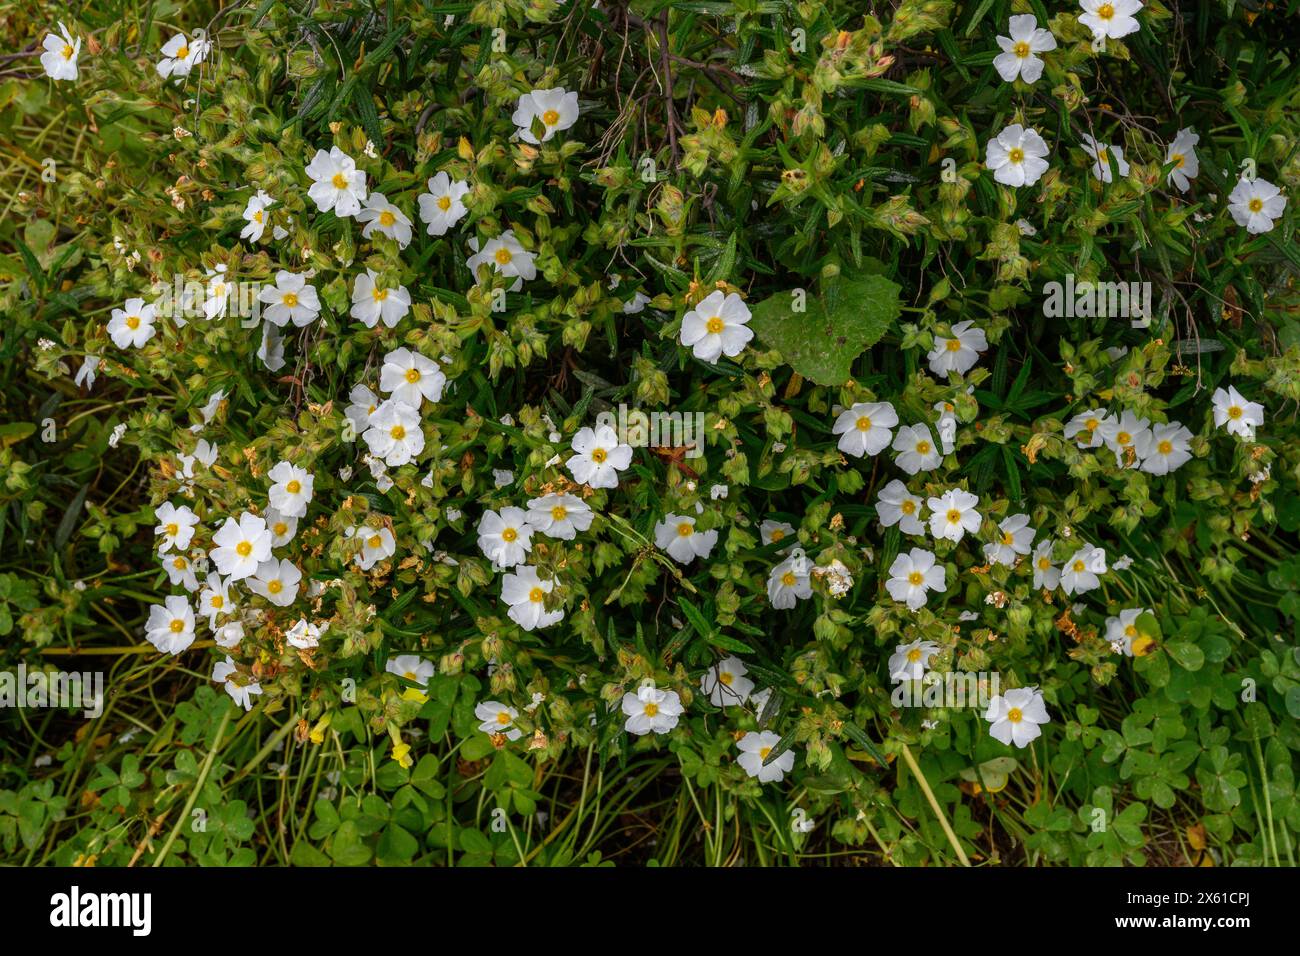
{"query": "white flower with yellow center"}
pixel 559 516
pixel 377 544
pixel 505 537
pixel 60 57
pixel 373 301
pixel 772 531
pixel 725 683
pixel 1101 154
pixel 409 377
pixel 1111 19
pixel 958 352
pixel 181 54
pixel 443 205
pixel 241 689
pixel 755 747
pixel 1233 412
pixel 1085 428
pixel 291 299
pixel 1015 538
pixel 916 449
pixel 506 255
pixel 282 527
pixel 953 514
pixel 717 326
pixel 276 580
pixel 411 667
pixel 1170 448
pixel 133 324
pixel 865 428
pixel 215 599
pixel 241 545
pixel 1046 574
pixel 651 710
pixel 256 216
pixel 1016 716
pixel 788 583
pixel 1129 437
pixel 363 405
pixel 381 216
pixel 599 457
pixel 337 184
pixel 1080 572
pixel 676 534
pixel 394 433
pixel 175 526
pixel 913 575
pixel 526 594
pixel 291 490
pixel 895 505
pixel 1016 156
pixel 180 570
pixel 910 661
pixel 170 627
pixel 1255 204
pixel 497 718
pixel 554 110
pixel 1186 164
pixel 1017 58
pixel 1125 637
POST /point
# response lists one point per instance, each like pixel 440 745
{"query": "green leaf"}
pixel 822 341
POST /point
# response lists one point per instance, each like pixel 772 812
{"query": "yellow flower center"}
pixel 1123 438
pixel 412 375
pixel 177 625
pixel 715 325
pixel 954 516
pixel 1165 448
pixel 559 513
pixel 1178 159
pixel 218 601
pixel 915 579
pixel 1017 155
pixel 685 529
pixel 379 295
pixel 1255 205
pixel 133 322
pixel 550 117
pixel 726 677
pixel 914 655
pixel 1022 49
pixel 257 217
pixel 374 542
pixel 1008 538
pixel 1014 715
pixel 279 529
pixel 598 455
pixel 410 675
pixel 1235 412
pixel 953 345
pixel 1091 424
pixel 763 752
pixel 67 52
pixel 923 448
pixel 1130 631
pixel 864 424
pixel 1105 11
pixel 503 256
pixel 293 487
pixel 536 595
pixel 1078 567
pixel 340 181
pixel 182 53
pixel 651 709
pixel 1044 564
pixel 778 534
pixel 173 529
pixel 397 432
pixel 509 534
pixel 290 299
pixel 908 507
pixel 244 549
pixel 179 564
pixel 444 203
pixel 503 718
pixel 275 587
pixel 788 579
pixel 386 219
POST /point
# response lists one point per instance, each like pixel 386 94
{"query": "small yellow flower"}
pixel 402 754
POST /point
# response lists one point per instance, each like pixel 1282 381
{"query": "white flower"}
pixel 1169 449
pixel 241 545
pixel 1255 203
pixel 717 492
pixel 377 544
pixel 526 594
pixel 507 256
pixel 394 433
pixel 364 404
pixel 337 184
pixel 953 514
pixel 181 55
pixel 60 57
pixel 255 216
pixel 959 353
pixel 372 301
pixel 497 718
pixel 442 206
pixel 916 449
pixel 292 489
pixel 599 457
pixel 86 374
pixel 556 109
pixel 175 526
pixel 379 214
pixel 559 516
pixel 1233 412
pixel 216 299
pixel 725 683
pixel 304 635
pixel 409 377
pixel 676 534
pixel 636 304
pixel 1017 56
pixel 754 748
pixel 914 574
pixel 170 627
pixel 1125 433
pixel 276 580
pixel 412 667
pixel 502 478
pixel 1016 538
pixel 1016 156
pixel 1121 631
pixel 505 537
pixel 651 710
pixel 897 506
pixel 772 531
pixel 1182 153
pixel 271 351
pixel 947 426
pixel 864 429
pixel 179 571
pixel 1110 18
pixel 282 527
pixel 1085 428
pixel 241 694
pixel 1079 574
pixel 229 634
pixel 215 600
pixel 291 299
pixel 1100 154
pixel 910 661
pixel 133 324
pixel 717 326
pixel 1046 574
pixel 788 583
pixel 1016 716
